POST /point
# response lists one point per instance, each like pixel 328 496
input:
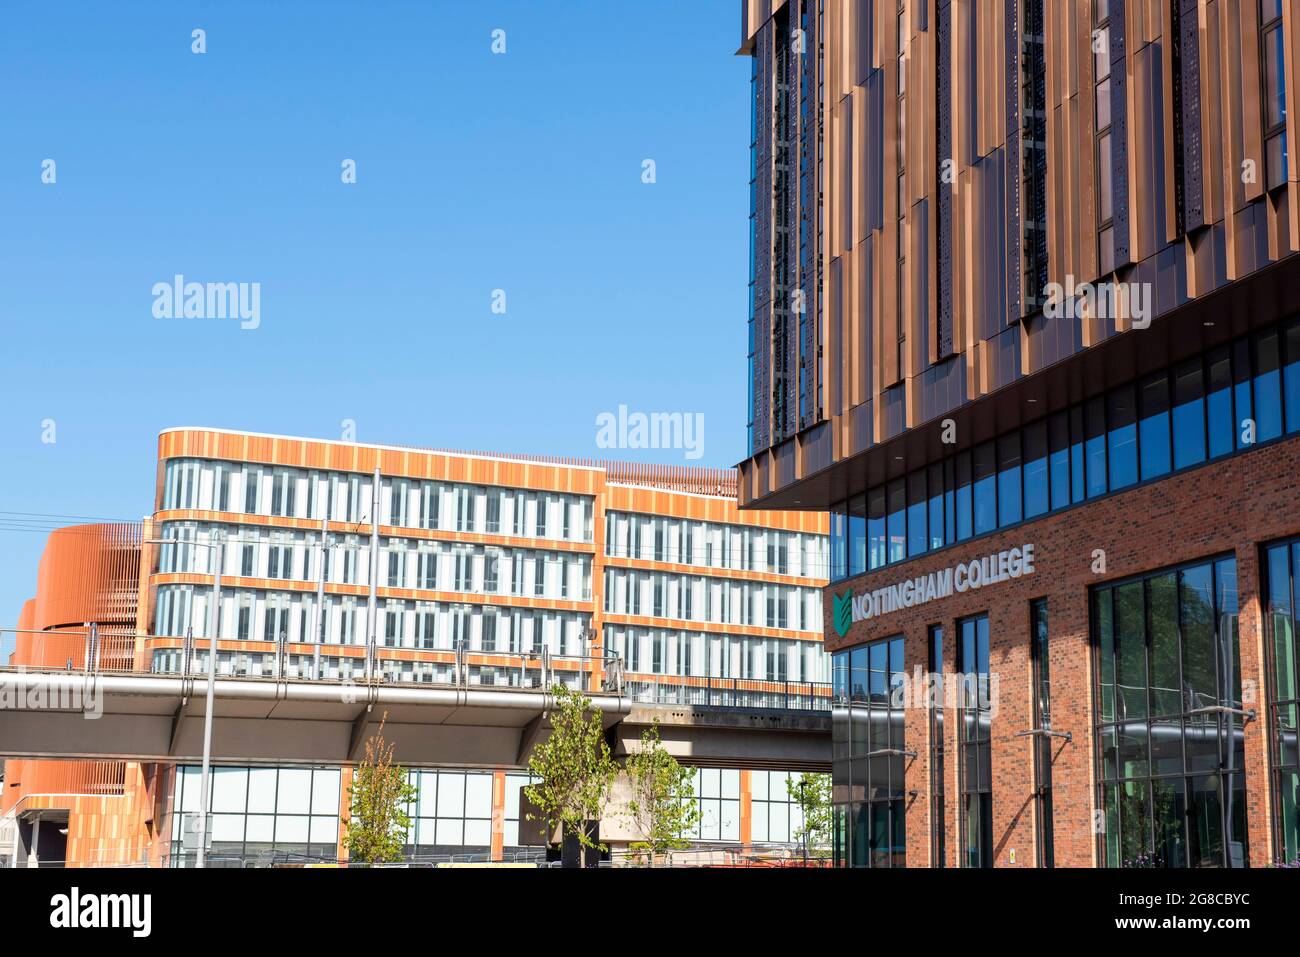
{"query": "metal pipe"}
pixel 372 601
pixel 252 689
pixel 319 630
pixel 205 787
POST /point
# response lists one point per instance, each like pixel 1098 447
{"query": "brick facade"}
pixel 1233 506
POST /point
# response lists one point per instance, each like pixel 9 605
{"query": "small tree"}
pixel 662 804
pixel 377 819
pixel 574 768
pixel 812 793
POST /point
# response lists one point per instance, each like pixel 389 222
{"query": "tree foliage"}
pixel 377 816
pixel 574 768
pixel 662 803
pixel 812 793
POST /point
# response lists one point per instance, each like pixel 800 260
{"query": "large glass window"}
pixel 975 767
pixel 986 488
pixel 775 815
pixel 1282 567
pixel 1170 736
pixel 857 535
pixel 1037 498
pixel 917 510
pixel 451 813
pixel 963 496
pixel 1121 434
pixel 1094 446
pixel 868 757
pixel 718 792
pixel 258 815
pixel 1010 504
pixel 1230 399
pixel 1189 415
pixel 937 520
pixel 1291 375
pixel 1044 744
pixel 877 542
pixel 1222 429
pixel 938 816
pixel 897 521
pixel 1153 426
pixel 1268 387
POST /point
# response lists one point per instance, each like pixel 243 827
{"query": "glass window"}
pixel 962 499
pixel 1243 406
pixel 936 516
pixel 1153 433
pixel 937 813
pixel 975 724
pixel 986 501
pixel 1044 744
pixel 857 535
pixel 877 541
pixel 1095 446
pixel 917 510
pixel 1219 403
pixel 1059 438
pixel 949 501
pixel 1291 376
pixel 1189 415
pixel 1010 506
pixel 869 745
pixel 1037 499
pixel 1122 438
pixel 1268 387
pixel 897 492
pixel 1161 642
pixel 839 520
pixel 1283 563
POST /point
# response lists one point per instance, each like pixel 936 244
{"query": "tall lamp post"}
pixel 803 812
pixel 218 546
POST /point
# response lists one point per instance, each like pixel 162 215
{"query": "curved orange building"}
pixel 80 812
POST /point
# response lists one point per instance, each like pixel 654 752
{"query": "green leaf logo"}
pixel 842 612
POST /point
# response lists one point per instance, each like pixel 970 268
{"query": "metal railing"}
pixel 746 693
pixel 104 651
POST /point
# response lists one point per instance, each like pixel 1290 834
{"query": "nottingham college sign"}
pixel 977 573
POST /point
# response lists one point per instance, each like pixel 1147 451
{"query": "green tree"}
pixel 574 768
pixel 662 803
pixel 812 793
pixel 377 819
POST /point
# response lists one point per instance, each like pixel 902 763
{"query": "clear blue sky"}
pixel 475 172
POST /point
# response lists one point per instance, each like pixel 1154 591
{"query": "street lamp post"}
pixel 218 546
pixel 803 810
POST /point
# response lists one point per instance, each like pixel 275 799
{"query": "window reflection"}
pixel 1231 399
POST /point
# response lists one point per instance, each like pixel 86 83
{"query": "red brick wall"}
pixel 1231 506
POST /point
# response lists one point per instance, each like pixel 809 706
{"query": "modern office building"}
pixel 1023 320
pixel 485 569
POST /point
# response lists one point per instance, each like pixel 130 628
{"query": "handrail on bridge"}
pixel 99 650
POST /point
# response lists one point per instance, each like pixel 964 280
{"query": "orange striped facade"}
pixel 87 574
pixel 669 492
pixel 927 267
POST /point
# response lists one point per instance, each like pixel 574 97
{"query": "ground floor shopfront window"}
pixel 1171 760
pixel 869 756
